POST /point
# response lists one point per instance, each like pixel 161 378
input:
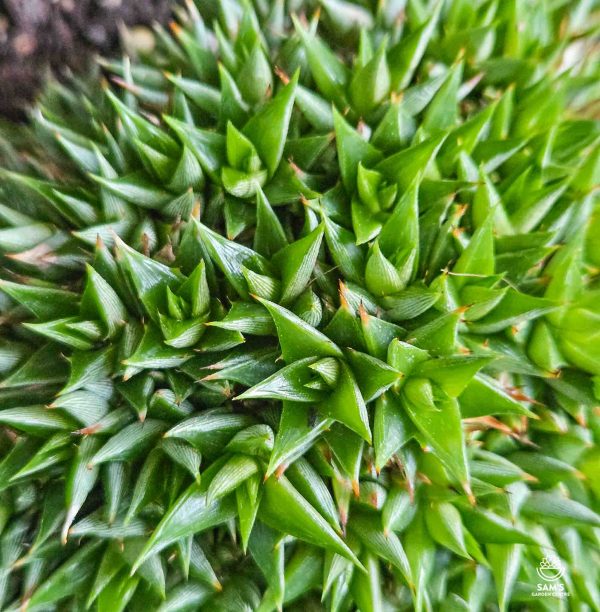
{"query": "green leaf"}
pixel 300 425
pixel 313 488
pixel 69 578
pixel 186 177
pixel 289 383
pixel 344 328
pixel 111 564
pixel 262 285
pixel 186 596
pixel 555 509
pixel 247 319
pixel 347 255
pixel 514 308
pixel 43 302
pixel 146 484
pixel 352 149
pixel 372 375
pixel 80 480
pixel 381 276
pixel 149 277
pixel 410 164
pixel 183 454
pixel 267 550
pixel 347 449
pixel 366 588
pixel 268 128
pixel 27 236
pixel 284 509
pixel 439 336
pixel 115 476
pixel 137 126
pixel 440 426
pixel 405 56
pixel 255 79
pixel 71 331
pixel 316 109
pixel 488 527
pixel 36 420
pixel 327 69
pixel 231 258
pixel 152 353
pixel 391 429
pixel 210 431
pixel 237 469
pixel 410 303
pixel 202 95
pixel 241 153
pixel 231 106
pixel 387 547
pixel 269 236
pixel 88 367
pixel 299 340
pixel 136 189
pixel 52 453
pixel 118 592
pixel 296 263
pixel 442 112
pixel 247 367
pixel 398 510
pixel 248 497
pixel 347 405
pixel 195 290
pixel 452 374
pixel 405 357
pixel 189 514
pixel 371 84
pixel 505 561
pixel 40 368
pixel 483 396
pixel 209 147
pixel 137 392
pixel 445 526
pixel 478 258
pixel 100 301
pixel 182 334
pixel 129 442
pixel 401 230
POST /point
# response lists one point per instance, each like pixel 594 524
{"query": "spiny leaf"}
pixel 347 405
pixel 296 262
pixel 299 340
pixel 352 150
pixel 441 427
pixel 299 426
pixel 43 302
pixel 268 128
pixel 300 518
pixel 129 442
pixel 189 514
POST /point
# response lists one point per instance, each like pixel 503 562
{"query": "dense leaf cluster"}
pixel 303 311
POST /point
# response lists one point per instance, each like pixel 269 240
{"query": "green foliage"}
pixel 303 312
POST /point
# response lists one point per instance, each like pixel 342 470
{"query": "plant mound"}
pixel 302 311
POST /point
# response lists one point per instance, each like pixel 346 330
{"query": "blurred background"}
pixel 63 35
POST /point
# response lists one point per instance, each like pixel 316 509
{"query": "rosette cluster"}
pixel 301 310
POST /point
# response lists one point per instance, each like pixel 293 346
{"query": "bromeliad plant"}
pixel 304 313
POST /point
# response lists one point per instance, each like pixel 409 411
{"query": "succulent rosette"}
pixel 300 310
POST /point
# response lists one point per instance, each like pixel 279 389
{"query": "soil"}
pixel 38 35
